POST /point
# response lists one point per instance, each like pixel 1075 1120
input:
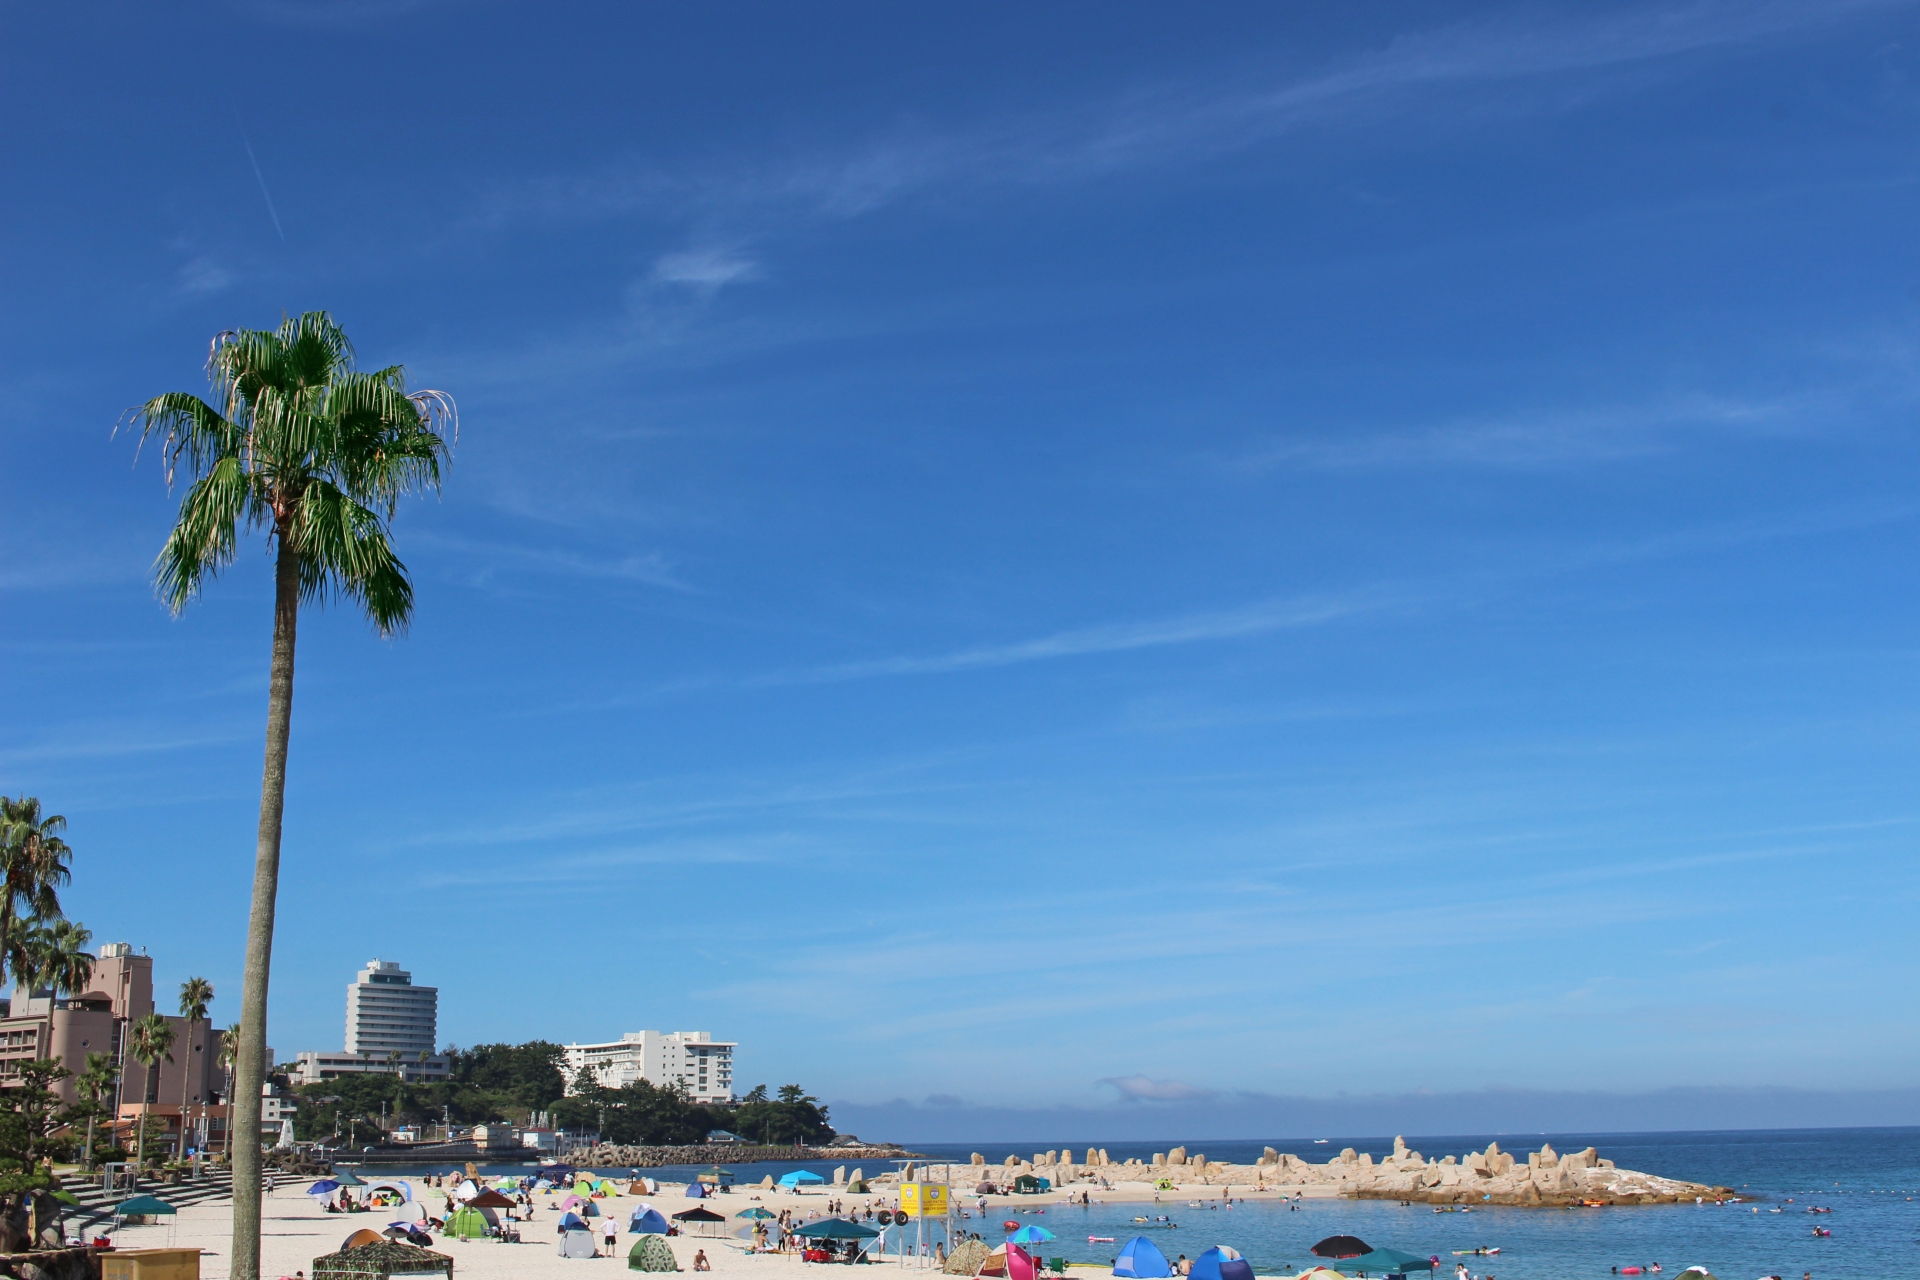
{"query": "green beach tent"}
pixel 651 1253
pixel 466 1224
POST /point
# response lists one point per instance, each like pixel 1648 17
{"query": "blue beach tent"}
pixel 1141 1258
pixel 797 1177
pixel 647 1220
pixel 570 1222
pixel 1221 1263
pixel 696 1191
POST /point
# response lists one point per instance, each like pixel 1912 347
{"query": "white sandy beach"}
pixel 294 1230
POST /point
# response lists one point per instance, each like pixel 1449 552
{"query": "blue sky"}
pixel 1072 556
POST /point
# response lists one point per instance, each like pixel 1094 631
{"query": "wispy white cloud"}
pixel 1145 1089
pixel 1550 438
pixel 1259 619
pixel 1178 123
pixel 704 268
pixel 204 276
pixel 485 561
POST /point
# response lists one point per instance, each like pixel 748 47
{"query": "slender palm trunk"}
pixel 186 1084
pixel 249 1068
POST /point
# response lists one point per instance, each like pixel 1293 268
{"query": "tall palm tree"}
pixel 149 1041
pixel 33 865
pixel 94 1084
pixel 229 1053
pixel 195 995
pixel 317 455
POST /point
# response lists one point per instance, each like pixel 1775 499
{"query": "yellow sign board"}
pixel 923 1199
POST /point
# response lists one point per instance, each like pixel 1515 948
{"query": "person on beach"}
pixel 610 1231
pixel 700 1262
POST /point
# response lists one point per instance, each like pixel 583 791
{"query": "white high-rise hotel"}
pixel 386 1014
pixel 385 1011
pixel 690 1058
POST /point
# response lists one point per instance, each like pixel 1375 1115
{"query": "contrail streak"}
pixel 264 193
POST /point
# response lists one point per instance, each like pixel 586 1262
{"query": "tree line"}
pixel 513 1083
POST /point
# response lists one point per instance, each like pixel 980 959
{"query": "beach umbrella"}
pixel 141 1206
pixel 755 1212
pixel 1394 1261
pixel 346 1179
pixel 1342 1247
pixel 836 1229
pixel 490 1199
pixel 324 1187
pixel 1031 1235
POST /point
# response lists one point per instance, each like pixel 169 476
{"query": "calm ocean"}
pixel 1870 1178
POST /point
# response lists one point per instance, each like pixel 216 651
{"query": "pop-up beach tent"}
pixel 696 1191
pixel 799 1177
pixel 578 1244
pixel 1221 1263
pixel 1141 1258
pixel 647 1220
pixel 466 1224
pixel 651 1253
pixel 392 1187
pixel 966 1258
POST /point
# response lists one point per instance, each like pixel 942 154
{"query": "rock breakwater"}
pixel 607 1156
pixel 1542 1178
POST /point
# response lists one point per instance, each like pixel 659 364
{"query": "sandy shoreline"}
pixel 294 1230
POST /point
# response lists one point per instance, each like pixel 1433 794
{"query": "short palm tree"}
pixel 95 1084
pixel 33 865
pixel 150 1040
pixel 303 446
pixel 195 995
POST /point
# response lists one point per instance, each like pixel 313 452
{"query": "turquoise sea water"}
pixel 1869 1177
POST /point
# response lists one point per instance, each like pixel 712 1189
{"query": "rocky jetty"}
pixel 1542 1178
pixel 606 1156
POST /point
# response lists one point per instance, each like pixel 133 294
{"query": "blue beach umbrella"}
pixel 324 1187
pixel 1034 1235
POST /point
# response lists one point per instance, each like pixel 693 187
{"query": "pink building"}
pixel 95 1021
